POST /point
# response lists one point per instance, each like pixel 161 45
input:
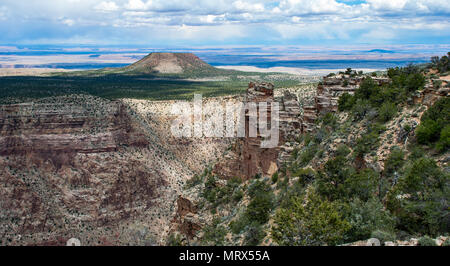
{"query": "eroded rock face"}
pixel 434 89
pixel 332 88
pixel 247 158
pixel 83 167
pixel 104 172
pixel 47 128
pixel 186 221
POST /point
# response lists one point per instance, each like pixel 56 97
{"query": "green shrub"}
pixel 428 131
pixel 362 184
pixel 427 241
pixel 239 224
pixel 366 217
pixel 214 234
pixel 255 234
pixel 345 83
pixel 330 181
pixel 329 120
pixel 217 195
pixel 238 195
pixel 343 150
pixel 305 175
pixel 310 222
pixel 360 109
pixel 444 140
pixel 424 210
pixel 346 102
pixel 369 140
pixel 435 125
pixel 258 187
pixel 387 111
pixel 414 82
pixel 394 162
pixel 366 88
pixel 275 177
pixel 260 207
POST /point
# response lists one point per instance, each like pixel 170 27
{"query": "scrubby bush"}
pixel 360 109
pixel 238 225
pixel 444 140
pixel 428 131
pixel 346 102
pixel 305 176
pixel 366 217
pixel 329 120
pixel 387 111
pixel 394 162
pixel 367 142
pixel 342 150
pixel 414 82
pixel 420 198
pixel 217 195
pixel 312 221
pixel 260 207
pixel 435 125
pixel 441 64
pixel 274 177
pixel 362 184
pixel 366 88
pixel 255 234
pixel 214 234
pixel 427 241
pixel 331 180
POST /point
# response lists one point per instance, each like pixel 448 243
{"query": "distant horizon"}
pixel 374 57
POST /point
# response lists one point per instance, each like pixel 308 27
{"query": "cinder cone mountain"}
pixel 170 63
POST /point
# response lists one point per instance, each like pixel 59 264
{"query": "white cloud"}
pixel 388 5
pixel 285 19
pixel 311 6
pixel 68 22
pixel 137 5
pixel 107 6
pixel 248 7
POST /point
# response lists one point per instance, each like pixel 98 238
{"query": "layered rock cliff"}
pixel 248 157
pixel 92 169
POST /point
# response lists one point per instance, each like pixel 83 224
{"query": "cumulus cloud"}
pixel 259 20
pixel 68 22
pixel 106 7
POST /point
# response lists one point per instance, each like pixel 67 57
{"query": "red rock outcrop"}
pixel 328 93
pixel 185 220
pixel 247 158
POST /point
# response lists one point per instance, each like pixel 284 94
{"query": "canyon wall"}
pixel 88 168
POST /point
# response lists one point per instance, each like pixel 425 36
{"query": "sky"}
pixel 199 23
